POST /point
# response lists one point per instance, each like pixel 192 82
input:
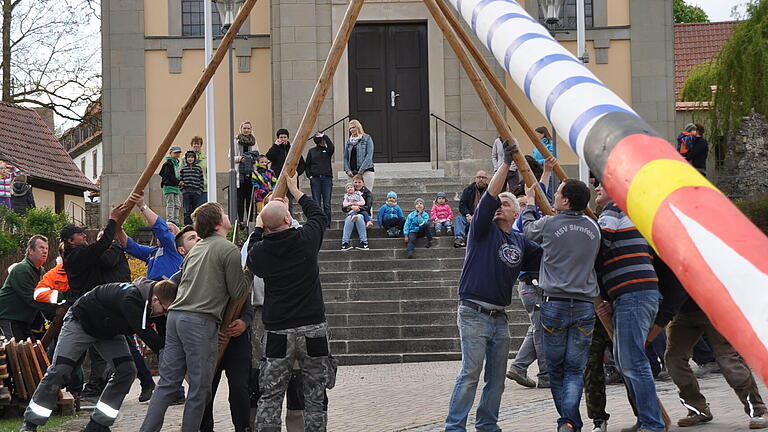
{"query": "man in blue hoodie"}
pixel 495 256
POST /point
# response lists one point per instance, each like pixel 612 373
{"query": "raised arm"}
pixel 499 179
pixel 149 216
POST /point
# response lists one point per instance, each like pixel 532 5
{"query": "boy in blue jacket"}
pixel 417 225
pixel 391 216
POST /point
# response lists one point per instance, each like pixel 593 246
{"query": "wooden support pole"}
pixel 499 87
pixel 186 109
pixel 318 95
pixel 490 106
pixel 307 123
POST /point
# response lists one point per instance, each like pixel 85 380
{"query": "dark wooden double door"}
pixel 389 89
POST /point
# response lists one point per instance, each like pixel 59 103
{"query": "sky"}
pixel 718 10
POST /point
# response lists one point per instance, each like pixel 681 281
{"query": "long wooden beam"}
pixel 186 109
pixel 318 95
pixel 490 106
pixel 500 90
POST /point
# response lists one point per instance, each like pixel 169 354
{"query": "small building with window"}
pixel 398 76
pixel 83 143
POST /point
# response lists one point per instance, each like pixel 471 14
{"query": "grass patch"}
pixel 14 424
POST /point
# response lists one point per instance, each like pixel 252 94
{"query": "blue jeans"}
pixel 483 338
pixel 568 328
pixel 633 315
pixel 440 225
pixel 460 227
pixel 424 230
pixel 322 187
pixel 192 200
pixel 358 224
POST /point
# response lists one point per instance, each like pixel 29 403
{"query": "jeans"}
pixel 483 338
pixel 322 187
pixel 440 225
pixel 531 349
pixel 633 315
pixel 172 207
pixel 192 200
pixel 364 214
pixel 358 224
pixel 655 353
pixel 244 196
pixel 461 226
pixel 413 235
pixel 393 222
pixel 568 328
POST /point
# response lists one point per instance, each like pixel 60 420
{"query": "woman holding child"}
pixel 358 215
pixel 358 153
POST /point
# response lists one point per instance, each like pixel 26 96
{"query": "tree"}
pixel 685 13
pixel 51 54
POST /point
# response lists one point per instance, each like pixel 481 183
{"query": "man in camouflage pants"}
pixel 286 259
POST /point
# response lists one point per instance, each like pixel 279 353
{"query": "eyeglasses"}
pixel 481 177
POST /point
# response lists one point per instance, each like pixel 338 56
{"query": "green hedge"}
pixel 15 229
pixel 756 209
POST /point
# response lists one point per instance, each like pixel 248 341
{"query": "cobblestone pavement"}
pixel 414 397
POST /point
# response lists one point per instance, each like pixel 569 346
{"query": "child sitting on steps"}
pixel 442 215
pixel 417 225
pixel 354 197
pixel 390 216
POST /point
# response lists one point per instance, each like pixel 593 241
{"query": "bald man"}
pixel 293 312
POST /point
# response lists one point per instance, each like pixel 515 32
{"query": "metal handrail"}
pixel 82 213
pixel 460 130
pixel 332 125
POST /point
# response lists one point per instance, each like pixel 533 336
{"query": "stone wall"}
pixel 745 169
pixel 93 215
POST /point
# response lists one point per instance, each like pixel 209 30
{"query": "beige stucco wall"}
pixel 616 75
pixel 618 12
pixel 44 198
pixel 156 18
pixel 166 93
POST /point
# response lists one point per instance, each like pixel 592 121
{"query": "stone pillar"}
pixel 124 125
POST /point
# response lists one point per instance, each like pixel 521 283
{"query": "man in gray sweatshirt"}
pixel 570 240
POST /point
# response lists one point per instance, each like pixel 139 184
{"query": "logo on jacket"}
pixel 510 255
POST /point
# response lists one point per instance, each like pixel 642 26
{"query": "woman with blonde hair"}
pixel 358 153
pixel 246 152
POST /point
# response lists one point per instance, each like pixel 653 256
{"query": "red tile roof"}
pixel 27 143
pixel 697 43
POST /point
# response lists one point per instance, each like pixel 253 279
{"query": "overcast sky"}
pixel 718 10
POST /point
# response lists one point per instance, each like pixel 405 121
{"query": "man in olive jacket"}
pixel 17 300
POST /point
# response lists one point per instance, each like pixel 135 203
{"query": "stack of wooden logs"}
pixel 22 367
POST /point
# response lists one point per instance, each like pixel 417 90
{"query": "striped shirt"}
pixel 192 176
pixel 7 181
pixel 625 262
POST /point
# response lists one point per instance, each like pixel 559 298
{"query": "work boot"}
pixel 600 426
pixel 543 383
pixel 28 427
pixel 92 426
pixel 521 379
pixel 694 419
pixel 759 422
pixel 146 393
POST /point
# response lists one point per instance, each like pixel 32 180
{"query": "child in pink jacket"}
pixel 441 215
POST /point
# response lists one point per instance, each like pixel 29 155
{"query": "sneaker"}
pixel 368 224
pixel 759 422
pixel 180 400
pixel 345 247
pixel 428 245
pixel 28 427
pixel 600 426
pixel 92 426
pixel 410 255
pixel 459 242
pixel 613 377
pixel 146 393
pixel 521 379
pixel 543 383
pixel 694 419
pixel 449 232
pixel 566 427
pixel 363 246
pixel 391 233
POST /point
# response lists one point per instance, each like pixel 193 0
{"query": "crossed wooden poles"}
pixel 456 36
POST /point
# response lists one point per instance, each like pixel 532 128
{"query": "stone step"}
pixel 389 275
pixel 364 262
pixel 447 317
pixel 410 332
pixel 387 243
pixel 396 252
pixel 363 293
pixel 390 284
pixel 391 306
pixel 401 346
pixel 363 359
pixel 374 232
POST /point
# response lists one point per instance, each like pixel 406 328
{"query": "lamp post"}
pixel 228 9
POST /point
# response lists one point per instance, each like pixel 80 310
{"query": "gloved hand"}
pixel 509 150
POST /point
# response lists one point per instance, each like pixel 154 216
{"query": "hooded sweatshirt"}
pixel 119 309
pixel 21 197
pixel 191 175
pixel 170 174
pixel 291 298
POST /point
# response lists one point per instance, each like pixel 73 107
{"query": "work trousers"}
pixel 682 334
pixel 236 361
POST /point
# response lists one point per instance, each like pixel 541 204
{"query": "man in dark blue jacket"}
pixel 495 256
pixel 102 318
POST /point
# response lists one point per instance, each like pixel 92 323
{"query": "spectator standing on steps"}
pixel 279 152
pixel 358 154
pixel 495 256
pixel 246 152
pixel 570 241
pixel 192 191
pixel 170 174
pixel 202 162
pixel 294 310
pixel 22 198
pixel 470 197
pixel 497 157
pixel 319 170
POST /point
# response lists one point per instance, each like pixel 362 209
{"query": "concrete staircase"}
pixel 385 308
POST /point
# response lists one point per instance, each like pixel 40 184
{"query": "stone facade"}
pixel 745 169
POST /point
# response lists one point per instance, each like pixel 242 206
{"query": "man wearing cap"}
pixel 495 256
pixel 18 307
pixel 102 318
pixel 320 173
pixel 171 182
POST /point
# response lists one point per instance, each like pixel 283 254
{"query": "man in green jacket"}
pixel 211 276
pixel 17 300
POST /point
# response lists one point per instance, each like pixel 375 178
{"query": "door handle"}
pixel 392 96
